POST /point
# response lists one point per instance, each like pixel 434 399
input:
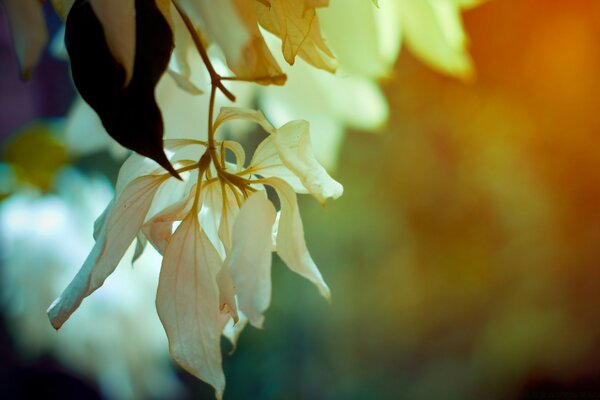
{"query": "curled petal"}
pixel 188 303
pixel 122 225
pixel 290 243
pixel 249 261
pixel 267 163
pixel 295 149
pixel 234 113
pixel 233 329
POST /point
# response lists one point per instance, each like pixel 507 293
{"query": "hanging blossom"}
pixel 215 273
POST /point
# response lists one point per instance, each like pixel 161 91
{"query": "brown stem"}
pixel 215 78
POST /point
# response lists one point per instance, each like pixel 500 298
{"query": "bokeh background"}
pixel 464 256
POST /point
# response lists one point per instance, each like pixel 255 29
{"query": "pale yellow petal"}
pixel 290 243
pixel 233 329
pixel 229 213
pixel 295 149
pixel 267 163
pixel 187 302
pixel 118 21
pixel 235 113
pixel 227 302
pixel 249 262
pixel 297 25
pixel 159 228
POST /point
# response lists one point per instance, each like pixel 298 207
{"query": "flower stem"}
pixel 215 78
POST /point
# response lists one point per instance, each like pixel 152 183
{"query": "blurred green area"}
pixel 463 257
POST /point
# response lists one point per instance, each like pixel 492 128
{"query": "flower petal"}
pixel 188 303
pixel 229 213
pixel 227 301
pixel 233 329
pixel 291 246
pixel 267 163
pixel 233 113
pixel 295 149
pixel 29 33
pixel 118 21
pixel 115 237
pixel 159 228
pixel 434 32
pixel 249 261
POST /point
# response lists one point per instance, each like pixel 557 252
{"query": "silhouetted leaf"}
pixel 129 112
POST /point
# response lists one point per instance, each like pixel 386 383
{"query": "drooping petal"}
pixel 118 21
pixel 121 227
pixel 229 213
pixel 159 228
pixel 249 261
pixel 295 149
pixel 29 33
pixel 290 243
pixel 227 301
pixel 210 214
pixel 188 303
pixel 233 329
pixel 297 24
pixel 245 50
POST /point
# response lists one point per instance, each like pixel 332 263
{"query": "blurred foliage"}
pixel 35 155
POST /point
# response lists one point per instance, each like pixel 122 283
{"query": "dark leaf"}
pixel 129 113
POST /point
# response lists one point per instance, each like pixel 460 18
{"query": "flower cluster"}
pixel 215 273
pixel 210 218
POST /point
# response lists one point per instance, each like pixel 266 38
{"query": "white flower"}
pixel 216 265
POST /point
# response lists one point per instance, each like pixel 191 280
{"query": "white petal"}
pixel 249 261
pixel 210 214
pixel 118 21
pixel 188 303
pixel 122 226
pixel 295 149
pixel 159 228
pixel 291 246
pixel 267 163
pixel 227 301
pixel 29 33
pixel 228 215
pixel 234 113
pixel 233 329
